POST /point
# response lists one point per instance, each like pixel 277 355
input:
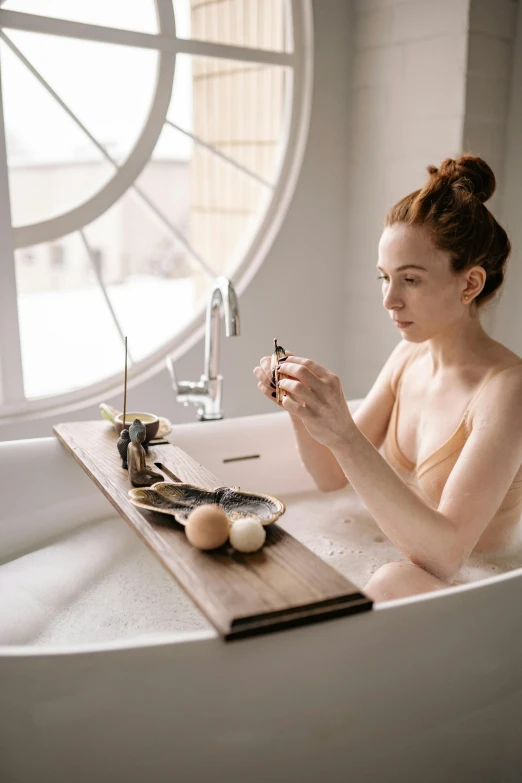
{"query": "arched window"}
pixel 145 148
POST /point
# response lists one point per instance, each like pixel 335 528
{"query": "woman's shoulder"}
pixel 501 385
pixel 508 366
pixel 500 362
pixel 503 355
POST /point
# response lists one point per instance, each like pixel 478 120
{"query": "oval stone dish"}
pixel 180 499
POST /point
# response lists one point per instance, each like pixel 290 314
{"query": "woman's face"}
pixel 418 284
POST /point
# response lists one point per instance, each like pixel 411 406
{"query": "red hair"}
pixel 452 205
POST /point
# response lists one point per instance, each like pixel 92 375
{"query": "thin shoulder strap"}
pixel 406 364
pixel 489 375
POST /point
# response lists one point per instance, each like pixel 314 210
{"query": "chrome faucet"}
pixel 206 393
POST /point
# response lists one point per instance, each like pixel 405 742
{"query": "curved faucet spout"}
pixel 206 393
pixel 223 293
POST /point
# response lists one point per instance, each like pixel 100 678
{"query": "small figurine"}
pixel 140 475
pixel 122 444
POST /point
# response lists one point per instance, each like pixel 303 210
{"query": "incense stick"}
pixel 125 387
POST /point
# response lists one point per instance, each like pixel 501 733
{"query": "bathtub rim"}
pixel 161 639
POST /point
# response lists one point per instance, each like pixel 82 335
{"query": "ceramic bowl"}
pixel 150 421
pixel 180 499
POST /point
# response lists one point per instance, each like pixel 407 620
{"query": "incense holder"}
pixel 150 421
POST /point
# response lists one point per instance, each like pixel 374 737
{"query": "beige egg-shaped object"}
pixel 247 535
pixel 207 527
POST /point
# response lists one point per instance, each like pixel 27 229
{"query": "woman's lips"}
pixel 403 324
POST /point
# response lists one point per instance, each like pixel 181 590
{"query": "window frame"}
pixel 298 66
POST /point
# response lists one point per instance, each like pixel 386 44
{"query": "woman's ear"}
pixel 475 281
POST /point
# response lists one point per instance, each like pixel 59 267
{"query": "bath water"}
pixel 101 583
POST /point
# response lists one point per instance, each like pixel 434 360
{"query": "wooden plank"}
pixel 282 585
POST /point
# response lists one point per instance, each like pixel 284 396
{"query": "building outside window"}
pixel 163 155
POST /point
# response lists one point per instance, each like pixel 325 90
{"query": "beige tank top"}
pixel 429 477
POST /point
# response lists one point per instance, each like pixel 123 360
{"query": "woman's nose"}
pixel 391 298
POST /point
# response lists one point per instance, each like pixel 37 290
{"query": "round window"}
pixel 147 149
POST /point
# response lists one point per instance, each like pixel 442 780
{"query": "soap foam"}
pixel 338 527
pixel 101 583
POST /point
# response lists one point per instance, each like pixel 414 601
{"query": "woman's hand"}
pixel 263 374
pixel 316 396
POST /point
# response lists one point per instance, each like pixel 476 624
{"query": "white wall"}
pixel 431 79
pixel 408 98
pixel 398 85
pixel 491 49
pixel 508 320
pixel 297 295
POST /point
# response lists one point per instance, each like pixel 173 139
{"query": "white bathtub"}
pixel 108 673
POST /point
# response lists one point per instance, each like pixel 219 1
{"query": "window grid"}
pixel 253 149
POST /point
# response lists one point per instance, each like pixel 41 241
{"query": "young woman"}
pixel 435 449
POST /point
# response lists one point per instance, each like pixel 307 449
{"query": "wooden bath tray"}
pixel 282 585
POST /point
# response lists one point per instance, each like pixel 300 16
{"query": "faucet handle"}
pixel 172 373
pixel 185 389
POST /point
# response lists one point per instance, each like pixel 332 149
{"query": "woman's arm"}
pixel 426 536
pixel 423 534
pixel 318 459
pixel 439 540
pixel 371 417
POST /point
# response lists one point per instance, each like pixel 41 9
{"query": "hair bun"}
pixel 467 173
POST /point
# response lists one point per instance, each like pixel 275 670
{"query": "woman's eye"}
pixel 411 280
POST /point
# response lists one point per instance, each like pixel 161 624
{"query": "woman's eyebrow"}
pixel 405 266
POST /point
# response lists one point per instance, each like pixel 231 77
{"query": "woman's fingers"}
pixel 263 373
pixel 265 365
pixel 263 385
pixel 263 376
pixel 303 372
pixel 317 369
pixel 266 361
pixel 298 391
pixel 294 407
pixel 267 391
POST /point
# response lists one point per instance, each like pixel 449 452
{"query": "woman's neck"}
pixel 458 347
